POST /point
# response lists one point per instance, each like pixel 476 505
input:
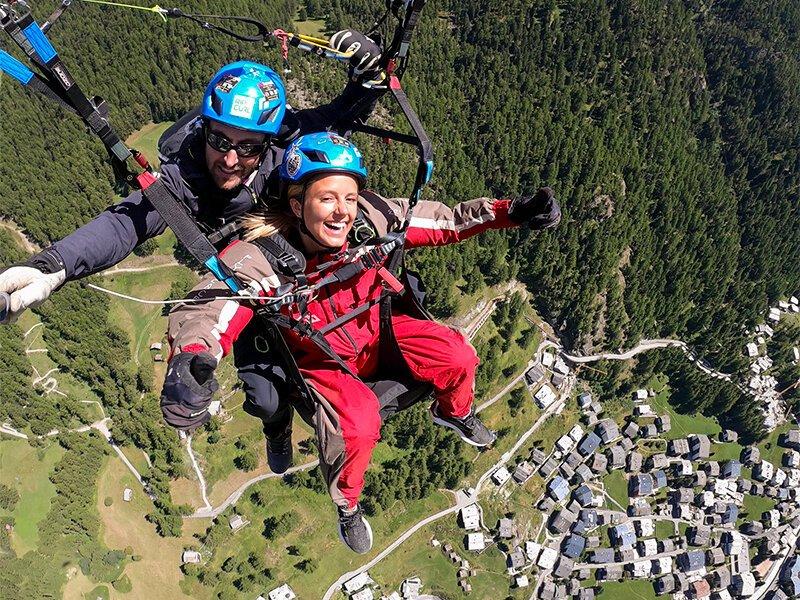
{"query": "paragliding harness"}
pixel 393 385
pixel 55 82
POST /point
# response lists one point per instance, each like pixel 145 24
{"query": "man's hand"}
pixel 30 283
pixel 540 211
pixel 366 54
pixel 188 390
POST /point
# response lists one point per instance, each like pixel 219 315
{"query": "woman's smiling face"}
pixel 329 210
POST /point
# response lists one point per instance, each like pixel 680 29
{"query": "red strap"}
pixel 390 280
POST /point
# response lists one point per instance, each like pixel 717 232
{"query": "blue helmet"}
pixel 246 95
pixel 318 153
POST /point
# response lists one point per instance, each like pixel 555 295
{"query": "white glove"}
pixel 28 287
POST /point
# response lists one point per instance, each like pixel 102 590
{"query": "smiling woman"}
pixel 340 325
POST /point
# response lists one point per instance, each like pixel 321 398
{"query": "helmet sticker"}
pixel 227 83
pixel 242 106
pixel 339 141
pixel 293 163
pixel 269 89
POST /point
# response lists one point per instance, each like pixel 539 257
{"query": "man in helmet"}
pixel 219 161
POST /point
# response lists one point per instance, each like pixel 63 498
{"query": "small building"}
pixel 475 542
pixel 548 467
pixel 743 584
pixel 558 488
pixel 648 547
pixel 731 469
pixel 236 522
pixel 732 542
pixel 505 529
pixel 584 399
pixel 602 556
pixel 699 589
pixel 523 472
pixel 589 444
pixel 564 567
pixel 698 535
pixel 500 476
pixel 471 517
pixel 634 462
pixel 623 535
pixel 521 581
pixel 640 485
pixel 583 474
pixel 664 423
pixel 544 397
pixel 643 410
pixel 616 457
pixel 610 573
pixel 283 592
pixel 547 558
pixel 729 436
pixel 599 463
pixel 678 447
pixel 127 494
pixel 631 430
pixel 191 557
pixel 155 347
pixel 694 560
pixel 657 461
pixel 607 430
pixel 583 496
pixel 750 456
pixel 763 471
pixel 640 394
pixel 562 520
pixel 534 375
pixel 751 349
pixel 516 560
pixel 715 556
pixel 699 446
pixel 354 584
pixel 573 546
pixel 537 456
pixel 532 551
pixel 664 585
pixel 790 576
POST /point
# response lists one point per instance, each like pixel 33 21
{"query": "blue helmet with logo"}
pixel 318 153
pixel 246 95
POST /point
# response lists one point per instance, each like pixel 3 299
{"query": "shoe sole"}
pixel 278 471
pixel 369 531
pixel 440 421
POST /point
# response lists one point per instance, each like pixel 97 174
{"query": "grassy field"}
pixel 27 469
pixel 146 140
pixel 617 487
pixel 157 574
pixel 682 424
pixel 755 506
pixel 629 590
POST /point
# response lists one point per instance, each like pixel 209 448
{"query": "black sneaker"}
pixel 470 428
pixel 279 451
pixel 354 530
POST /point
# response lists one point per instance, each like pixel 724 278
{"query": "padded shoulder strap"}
pixel 285 258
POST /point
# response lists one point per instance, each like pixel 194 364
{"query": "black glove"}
pixel 539 211
pixel 364 64
pixel 188 390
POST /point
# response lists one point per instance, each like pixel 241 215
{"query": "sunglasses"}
pixel 222 144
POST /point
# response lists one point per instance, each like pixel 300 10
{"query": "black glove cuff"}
pixel 47 261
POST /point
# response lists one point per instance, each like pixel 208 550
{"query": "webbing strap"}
pixel 188 232
pixel 346 318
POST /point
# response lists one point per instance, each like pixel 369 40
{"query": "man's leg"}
pixel 266 396
pixel 358 414
pixel 444 358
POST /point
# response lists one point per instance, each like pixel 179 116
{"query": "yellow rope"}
pixel 156 9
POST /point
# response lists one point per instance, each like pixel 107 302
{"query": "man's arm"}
pixel 109 237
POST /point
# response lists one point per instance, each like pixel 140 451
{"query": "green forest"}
pixel 669 131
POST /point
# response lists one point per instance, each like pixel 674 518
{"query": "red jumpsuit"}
pixel 435 354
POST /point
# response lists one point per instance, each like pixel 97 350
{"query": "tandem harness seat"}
pixel 394 385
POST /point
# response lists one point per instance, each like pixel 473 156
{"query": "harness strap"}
pixel 346 318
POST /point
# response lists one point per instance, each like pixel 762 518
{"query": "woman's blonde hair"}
pixel 269 221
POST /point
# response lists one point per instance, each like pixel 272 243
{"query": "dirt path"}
pixel 26 243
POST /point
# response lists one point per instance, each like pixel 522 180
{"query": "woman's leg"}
pixel 442 357
pixel 358 413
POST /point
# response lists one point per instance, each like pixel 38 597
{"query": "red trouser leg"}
pixel 442 357
pixel 359 419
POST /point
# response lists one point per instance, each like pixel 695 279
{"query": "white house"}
pixel 282 593
pixel 471 517
pixel 521 581
pixel 774 315
pixel 752 349
pixel 640 394
pixel 641 568
pixel 476 542
pixel 356 583
pixel 547 359
pixel 560 366
pixel 500 476
pixel 565 443
pixel 643 410
pixel 237 522
pixel 365 594
pixel 646 527
pixel 547 559
pixel 763 471
pixel 190 557
pixel 545 396
pixel 532 550
pixel 576 433
pixel 127 494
